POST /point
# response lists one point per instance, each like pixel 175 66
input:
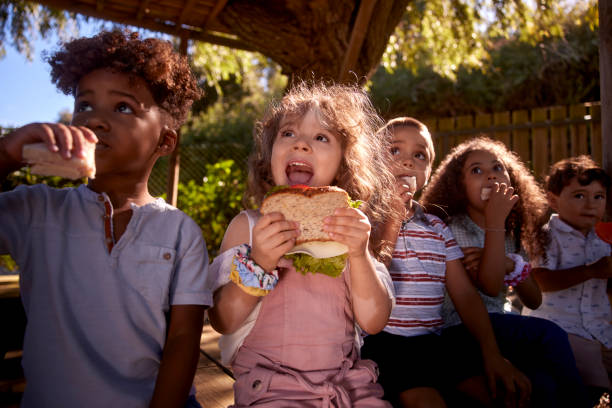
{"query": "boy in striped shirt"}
pixel 426 261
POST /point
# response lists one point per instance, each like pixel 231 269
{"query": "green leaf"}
pixel 328 266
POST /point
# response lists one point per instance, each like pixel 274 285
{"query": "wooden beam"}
pixel 149 24
pixel 357 37
pixel 184 13
pixel 143 9
pixel 605 81
pixel 100 5
pixel 174 164
pixel 214 13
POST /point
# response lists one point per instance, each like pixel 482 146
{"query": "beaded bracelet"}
pixel 521 270
pixel 249 276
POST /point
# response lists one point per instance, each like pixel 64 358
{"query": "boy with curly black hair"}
pixel 112 279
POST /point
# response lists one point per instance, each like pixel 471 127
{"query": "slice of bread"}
pixel 309 206
pixel 44 162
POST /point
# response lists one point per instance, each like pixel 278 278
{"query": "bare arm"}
pixel 273 236
pixel 529 292
pixel 475 317
pixel 371 303
pixel 491 272
pixel 554 280
pixel 180 356
pixel 232 305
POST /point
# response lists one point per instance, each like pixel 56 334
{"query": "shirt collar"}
pixel 419 214
pixel 557 223
pixel 91 195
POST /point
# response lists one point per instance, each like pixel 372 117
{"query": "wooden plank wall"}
pixel 539 136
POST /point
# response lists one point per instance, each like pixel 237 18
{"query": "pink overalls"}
pixel 301 351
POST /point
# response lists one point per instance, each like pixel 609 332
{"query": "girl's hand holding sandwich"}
pixel 350 227
pixel 273 237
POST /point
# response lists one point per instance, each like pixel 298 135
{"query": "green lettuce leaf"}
pixel 355 203
pixel 328 266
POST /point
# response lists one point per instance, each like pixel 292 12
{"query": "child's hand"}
pixel 273 237
pixel 602 269
pixel 58 137
pixel 350 227
pixel 471 260
pixel 517 387
pixel 499 205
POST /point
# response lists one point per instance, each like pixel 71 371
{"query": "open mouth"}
pixel 299 173
pixel 410 182
pixel 101 145
pixel 485 193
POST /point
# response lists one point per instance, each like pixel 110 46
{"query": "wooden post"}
pixel 539 143
pixel 605 80
pixel 360 28
pixel 174 164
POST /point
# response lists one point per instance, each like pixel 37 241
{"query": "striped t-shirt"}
pixel 418 270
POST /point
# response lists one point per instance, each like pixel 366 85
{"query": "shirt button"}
pixel 167 256
pixel 256 385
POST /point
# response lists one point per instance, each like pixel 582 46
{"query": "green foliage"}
pixel 24 176
pixel 445 35
pixel 214 203
pixel 6 262
pixel 238 87
pixel 517 74
pixel 26 20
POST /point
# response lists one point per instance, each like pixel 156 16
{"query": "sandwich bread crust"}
pixel 308 206
pixel 44 162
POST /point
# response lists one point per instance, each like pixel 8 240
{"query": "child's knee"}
pixel 422 397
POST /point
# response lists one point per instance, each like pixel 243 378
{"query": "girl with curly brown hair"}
pixel 295 344
pixel 112 279
pixel 495 208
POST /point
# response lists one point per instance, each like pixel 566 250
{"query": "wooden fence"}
pixel 539 136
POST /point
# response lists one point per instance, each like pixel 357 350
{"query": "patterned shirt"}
pixel 418 270
pixel 582 309
pixel 468 234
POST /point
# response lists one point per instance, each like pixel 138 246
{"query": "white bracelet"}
pixel 521 271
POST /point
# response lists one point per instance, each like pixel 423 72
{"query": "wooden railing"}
pixel 540 136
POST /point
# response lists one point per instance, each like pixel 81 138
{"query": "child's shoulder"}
pixel 40 194
pixel 239 229
pixel 434 221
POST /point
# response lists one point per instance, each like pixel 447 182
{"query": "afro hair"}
pixel 167 73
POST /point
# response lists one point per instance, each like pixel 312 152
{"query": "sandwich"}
pixel 44 162
pixel 485 193
pixel 314 250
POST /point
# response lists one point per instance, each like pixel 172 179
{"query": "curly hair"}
pixel 166 72
pixel 364 170
pixel 581 167
pixel 445 196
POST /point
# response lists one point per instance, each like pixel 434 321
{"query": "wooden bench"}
pixel 213 381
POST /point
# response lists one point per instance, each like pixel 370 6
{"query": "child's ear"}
pixel 553 201
pixel 167 141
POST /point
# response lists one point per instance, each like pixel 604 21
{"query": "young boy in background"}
pixel 426 261
pixel 112 280
pixel 574 273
